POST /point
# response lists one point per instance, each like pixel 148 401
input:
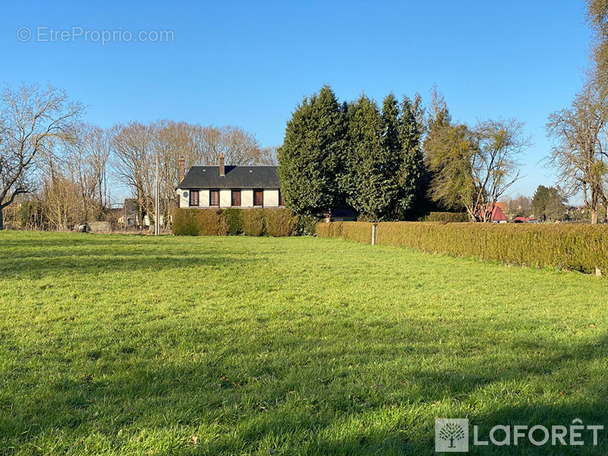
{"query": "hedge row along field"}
pixel 222 222
pixel 574 247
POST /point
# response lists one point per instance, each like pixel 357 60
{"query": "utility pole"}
pixel 156 203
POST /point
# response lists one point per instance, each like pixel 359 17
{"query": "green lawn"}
pixel 287 346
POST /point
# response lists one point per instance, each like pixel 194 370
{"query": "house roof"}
pixel 498 215
pixel 236 177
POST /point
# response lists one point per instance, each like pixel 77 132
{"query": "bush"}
pixel 447 217
pixel 575 247
pixel 184 223
pixel 253 222
pixel 211 222
pixel 280 222
pixel 306 225
pixel 234 219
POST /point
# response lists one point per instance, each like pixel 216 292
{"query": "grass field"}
pixel 286 346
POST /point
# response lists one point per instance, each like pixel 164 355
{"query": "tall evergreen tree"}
pixel 311 157
pixel 411 171
pixel 369 184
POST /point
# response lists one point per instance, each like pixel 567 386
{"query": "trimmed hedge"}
pixel 221 222
pixel 234 220
pixel 211 222
pixel 575 247
pixel 253 222
pixel 354 231
pixel 280 223
pixel 184 223
pixel 447 217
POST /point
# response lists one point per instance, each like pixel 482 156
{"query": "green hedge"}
pixel 574 247
pixel 221 222
pixel 183 222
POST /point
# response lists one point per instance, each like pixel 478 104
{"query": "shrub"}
pixel 184 223
pixel 211 222
pixel 306 225
pixel 448 217
pixel 280 222
pixel 358 231
pixel 253 222
pixel 234 220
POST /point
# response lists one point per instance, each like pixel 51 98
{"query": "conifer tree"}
pixel 311 157
pixel 369 182
pixel 412 170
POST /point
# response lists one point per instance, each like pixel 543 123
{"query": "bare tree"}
pixel 133 147
pixel 31 118
pixel 495 165
pixel 59 197
pixel 86 151
pixel 579 154
pixel 520 205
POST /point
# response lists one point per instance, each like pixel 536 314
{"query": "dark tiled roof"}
pixel 236 177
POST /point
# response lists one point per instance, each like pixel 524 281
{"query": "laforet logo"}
pixel 451 435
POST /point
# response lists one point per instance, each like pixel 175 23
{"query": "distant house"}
pixel 496 213
pixel 130 215
pixel 498 216
pixel 227 186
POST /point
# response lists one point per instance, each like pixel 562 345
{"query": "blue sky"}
pixel 249 63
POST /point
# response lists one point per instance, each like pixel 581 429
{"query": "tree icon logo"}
pixel 451 435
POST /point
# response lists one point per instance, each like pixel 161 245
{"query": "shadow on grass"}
pixel 250 409
pixel 103 255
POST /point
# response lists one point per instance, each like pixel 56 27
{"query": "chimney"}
pixel 222 168
pixel 182 164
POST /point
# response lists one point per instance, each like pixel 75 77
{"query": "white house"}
pixel 223 186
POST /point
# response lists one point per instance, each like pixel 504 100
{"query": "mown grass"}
pixel 235 345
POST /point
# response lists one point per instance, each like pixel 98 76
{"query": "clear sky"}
pixel 249 63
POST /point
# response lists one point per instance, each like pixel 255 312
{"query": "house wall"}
pixel 203 198
pixel 225 197
pixel 271 198
pixel 183 200
pixel 247 197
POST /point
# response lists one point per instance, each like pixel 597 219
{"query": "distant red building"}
pixel 498 216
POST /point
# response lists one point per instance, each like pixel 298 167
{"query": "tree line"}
pixel 397 161
pixel 580 132
pixel 391 161
pixel 65 172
